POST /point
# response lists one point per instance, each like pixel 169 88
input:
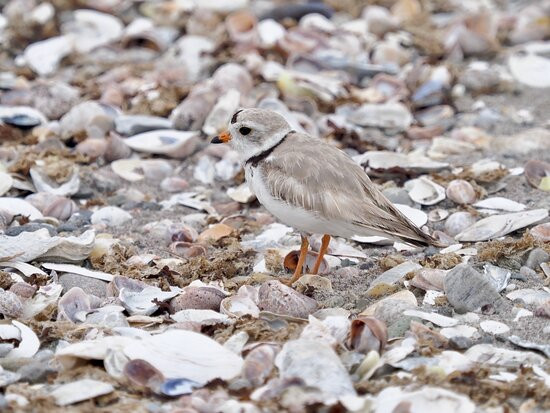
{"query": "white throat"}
pixel 247 150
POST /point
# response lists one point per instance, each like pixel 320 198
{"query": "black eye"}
pixel 244 130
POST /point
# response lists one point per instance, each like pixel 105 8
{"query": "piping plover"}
pixel 312 186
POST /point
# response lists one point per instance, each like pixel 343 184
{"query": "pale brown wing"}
pixel 318 177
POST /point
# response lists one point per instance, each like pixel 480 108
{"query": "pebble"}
pixel 460 343
pixel 468 290
pixel 536 258
pixel 89 285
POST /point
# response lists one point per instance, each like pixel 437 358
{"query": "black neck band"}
pixel 253 160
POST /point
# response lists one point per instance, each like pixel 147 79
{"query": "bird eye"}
pixel 244 130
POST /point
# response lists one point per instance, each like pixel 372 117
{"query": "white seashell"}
pixel 74 305
pixel 92 29
pixel 529 296
pixel 241 193
pixel 16 206
pixel 110 216
pixel 487 353
pixel 499 225
pixel 387 160
pixel 126 169
pixel 499 276
pixel 141 302
pixel 386 115
pixel 80 390
pixel 29 344
pixel 270 32
pixel 531 68
pixel 459 331
pixel 6 182
pixel 435 318
pixel 75 269
pixel 500 204
pixel 436 215
pixel 494 327
pixel 317 365
pixel 44 184
pixel 202 317
pixel 427 399
pixel 45 298
pixel 169 142
pixel 28 246
pixel 424 191
pixel 238 306
pixel 44 56
pixel 177 353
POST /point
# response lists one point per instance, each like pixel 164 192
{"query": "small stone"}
pixel 541 232
pixel 308 282
pixel 460 343
pixel 391 310
pixel 10 304
pixel 90 285
pixel 398 196
pixel 536 258
pixel 467 290
pixel 527 272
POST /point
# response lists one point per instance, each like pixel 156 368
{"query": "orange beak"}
pixel 223 137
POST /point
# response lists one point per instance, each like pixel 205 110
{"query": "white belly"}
pixel 299 218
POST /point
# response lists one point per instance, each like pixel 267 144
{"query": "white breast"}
pixel 294 216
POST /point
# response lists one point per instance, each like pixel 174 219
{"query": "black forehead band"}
pixel 234 118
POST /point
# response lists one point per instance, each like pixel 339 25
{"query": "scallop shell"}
pixel 275 297
pixel 424 191
pixel 366 334
pixel 461 192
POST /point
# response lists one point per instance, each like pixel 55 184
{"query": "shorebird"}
pixel 312 186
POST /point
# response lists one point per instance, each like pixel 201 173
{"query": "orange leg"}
pixel 301 260
pixel 324 247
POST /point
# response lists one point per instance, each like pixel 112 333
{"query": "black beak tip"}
pixel 216 139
